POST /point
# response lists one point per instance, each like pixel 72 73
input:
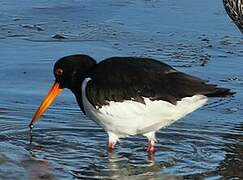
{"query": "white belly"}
pixel 131 117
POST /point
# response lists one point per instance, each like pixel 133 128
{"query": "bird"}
pixel 129 95
pixel 234 9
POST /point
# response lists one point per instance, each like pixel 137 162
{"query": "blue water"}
pixel 196 37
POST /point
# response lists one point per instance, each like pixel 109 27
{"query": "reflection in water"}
pixel 38 169
pixel 16 163
pixel 232 165
pixel 89 159
pixel 121 167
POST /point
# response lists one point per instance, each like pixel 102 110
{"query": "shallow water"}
pixel 194 36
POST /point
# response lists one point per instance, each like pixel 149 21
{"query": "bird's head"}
pixel 69 72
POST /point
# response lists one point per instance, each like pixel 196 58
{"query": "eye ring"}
pixel 59 71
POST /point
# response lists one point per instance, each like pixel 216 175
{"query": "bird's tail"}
pixel 221 92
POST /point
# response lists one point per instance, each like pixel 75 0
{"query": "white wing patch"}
pixel 131 117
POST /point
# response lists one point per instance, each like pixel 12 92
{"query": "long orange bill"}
pixel 50 97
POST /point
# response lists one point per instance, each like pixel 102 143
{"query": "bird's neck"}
pixel 78 94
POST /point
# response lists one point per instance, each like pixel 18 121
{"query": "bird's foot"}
pixel 111 146
pixel 151 148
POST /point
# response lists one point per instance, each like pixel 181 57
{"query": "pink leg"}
pixel 111 146
pixel 151 148
pixel 113 138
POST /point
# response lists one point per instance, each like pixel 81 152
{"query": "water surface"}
pixel 194 36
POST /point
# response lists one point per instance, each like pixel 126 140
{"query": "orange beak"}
pixel 50 97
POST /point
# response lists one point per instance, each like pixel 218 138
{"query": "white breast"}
pixel 131 117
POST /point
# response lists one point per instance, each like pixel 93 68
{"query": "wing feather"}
pixel 120 79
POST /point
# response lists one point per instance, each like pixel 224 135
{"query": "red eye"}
pixel 59 72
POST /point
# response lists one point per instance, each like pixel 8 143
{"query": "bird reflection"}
pixel 122 166
pixel 38 169
pixel 232 166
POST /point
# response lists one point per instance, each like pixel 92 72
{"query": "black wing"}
pixel 119 79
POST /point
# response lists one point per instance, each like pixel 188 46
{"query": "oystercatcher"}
pixel 129 95
pixel 234 9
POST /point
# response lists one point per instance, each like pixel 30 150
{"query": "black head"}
pixel 69 71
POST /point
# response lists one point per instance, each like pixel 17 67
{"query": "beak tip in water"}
pixel 52 94
pixel 31 126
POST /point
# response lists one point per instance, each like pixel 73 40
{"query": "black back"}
pixel 129 78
